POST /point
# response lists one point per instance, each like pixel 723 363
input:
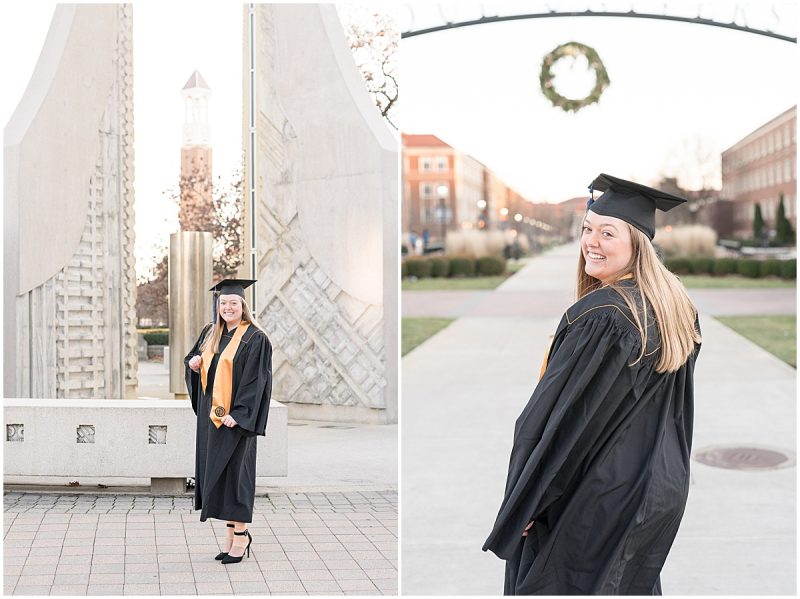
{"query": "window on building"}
pixel 425 164
pixel 427 214
pixel 786 135
pixel 426 191
pixel 441 164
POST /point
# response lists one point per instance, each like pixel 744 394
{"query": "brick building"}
pixel 759 169
pixel 445 189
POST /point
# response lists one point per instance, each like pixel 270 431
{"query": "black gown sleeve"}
pixel 587 378
pixel 193 385
pixel 253 388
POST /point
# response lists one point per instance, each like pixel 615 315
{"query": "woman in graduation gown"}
pixel 229 379
pixel 599 471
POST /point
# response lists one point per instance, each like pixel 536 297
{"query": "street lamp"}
pixel 442 191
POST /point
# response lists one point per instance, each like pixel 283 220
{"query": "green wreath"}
pixel 546 77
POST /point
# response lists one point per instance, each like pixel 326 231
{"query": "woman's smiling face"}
pixel 606 246
pixel 230 308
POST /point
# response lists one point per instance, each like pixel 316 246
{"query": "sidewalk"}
pixel 328 528
pixel 308 543
pixel 464 388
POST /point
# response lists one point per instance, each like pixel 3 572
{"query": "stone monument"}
pixel 320 216
pixel 69 272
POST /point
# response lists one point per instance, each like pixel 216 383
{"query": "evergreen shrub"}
pixel 489 265
pixel 462 267
pixel 702 266
pixel 418 267
pixel 724 266
pixel 747 267
pixel 440 267
pixel 156 338
pixel 789 269
pixel 770 268
pixel 679 266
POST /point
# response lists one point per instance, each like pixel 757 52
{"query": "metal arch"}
pixel 591 13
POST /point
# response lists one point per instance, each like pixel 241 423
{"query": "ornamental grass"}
pixel 687 241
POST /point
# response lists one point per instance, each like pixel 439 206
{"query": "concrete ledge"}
pixel 112 441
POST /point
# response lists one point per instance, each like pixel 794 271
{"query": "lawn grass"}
pixel 776 334
pixel 417 330
pixel 456 284
pixel 734 282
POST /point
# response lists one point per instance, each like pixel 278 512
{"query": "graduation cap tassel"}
pixel 590 201
pixel 214 307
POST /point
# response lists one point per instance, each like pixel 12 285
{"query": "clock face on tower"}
pixel 196 94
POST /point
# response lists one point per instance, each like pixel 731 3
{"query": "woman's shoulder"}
pixel 601 303
pixel 255 333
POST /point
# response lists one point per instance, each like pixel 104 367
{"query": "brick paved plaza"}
pixel 324 543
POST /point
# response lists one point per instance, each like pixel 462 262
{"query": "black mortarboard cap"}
pixel 232 286
pixel 229 287
pixel 634 203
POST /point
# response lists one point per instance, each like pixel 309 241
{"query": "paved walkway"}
pixel 303 543
pixel 329 528
pixel 464 388
pixel 547 290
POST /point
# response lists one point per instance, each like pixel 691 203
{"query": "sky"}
pixel 680 93
pixel 171 40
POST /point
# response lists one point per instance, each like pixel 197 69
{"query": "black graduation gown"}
pixel 600 460
pixel 225 458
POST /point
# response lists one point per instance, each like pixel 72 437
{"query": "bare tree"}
pixel 151 294
pixel 373 36
pixel 223 218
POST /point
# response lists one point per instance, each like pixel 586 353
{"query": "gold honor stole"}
pixel 223 379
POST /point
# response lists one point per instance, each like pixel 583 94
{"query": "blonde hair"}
pixel 214 333
pixel 662 291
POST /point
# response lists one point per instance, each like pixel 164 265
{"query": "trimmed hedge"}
pixel 403 269
pixel 440 267
pixel 702 266
pixel 724 266
pixel 489 266
pixel 418 267
pixel 156 338
pixel 770 268
pixel 748 267
pixel 462 267
pixel 789 269
pixel 679 266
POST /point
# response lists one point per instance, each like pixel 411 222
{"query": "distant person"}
pixel 412 241
pixel 507 251
pixel 599 471
pixel 517 250
pixel 229 378
pixel 426 238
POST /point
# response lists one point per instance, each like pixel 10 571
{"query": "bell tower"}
pixel 196 205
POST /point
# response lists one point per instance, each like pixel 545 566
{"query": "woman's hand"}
pixel 527 529
pixel 229 421
pixel 195 363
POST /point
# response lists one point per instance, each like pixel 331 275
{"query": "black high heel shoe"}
pixel 224 553
pixel 230 559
